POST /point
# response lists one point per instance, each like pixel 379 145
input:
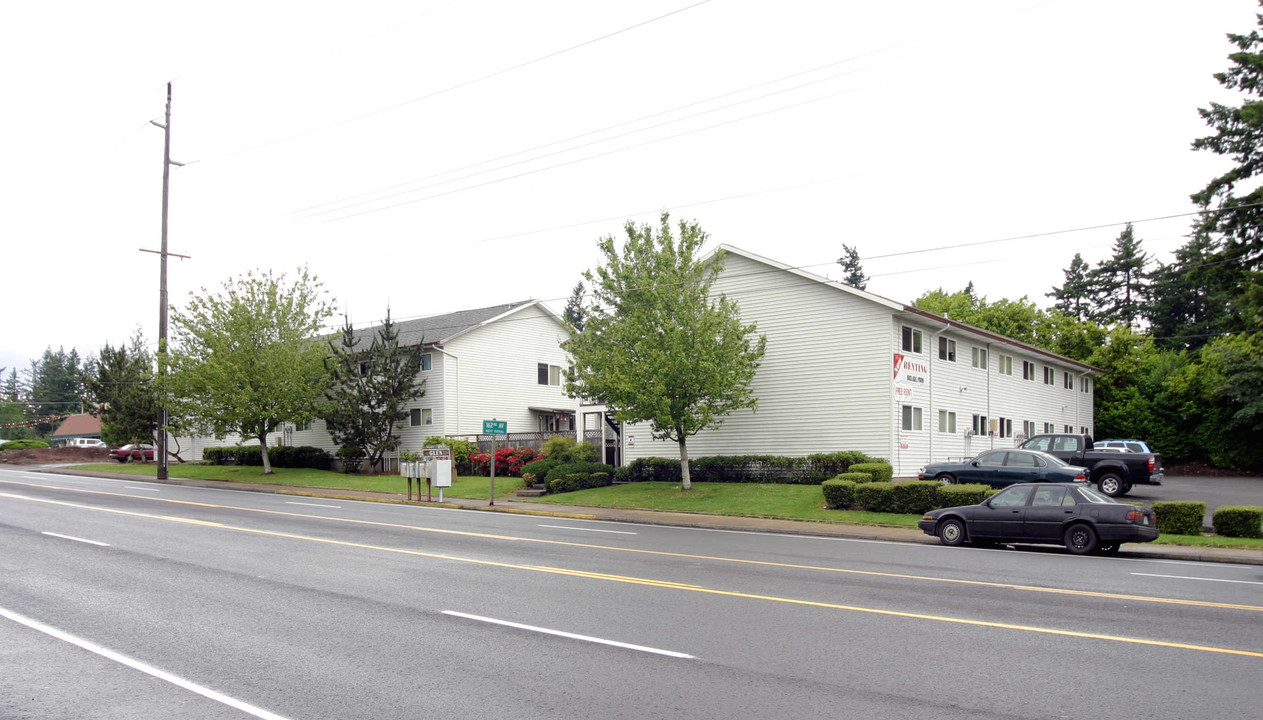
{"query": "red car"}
pixel 140 452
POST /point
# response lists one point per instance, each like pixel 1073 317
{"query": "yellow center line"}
pixel 663 553
pixel 675 586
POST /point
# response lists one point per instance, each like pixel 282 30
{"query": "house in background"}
pixel 77 426
pixel 503 362
pixel 846 369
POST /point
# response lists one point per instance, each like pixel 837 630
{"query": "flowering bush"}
pixel 509 461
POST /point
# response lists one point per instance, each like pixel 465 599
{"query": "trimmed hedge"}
pixel 284 456
pixel 810 470
pixel 855 477
pixel 954 495
pixel 1180 518
pixel 916 496
pixel 1238 521
pixel 881 472
pixel 24 444
pixel 876 497
pixel 539 468
pixel 577 480
pixel 839 492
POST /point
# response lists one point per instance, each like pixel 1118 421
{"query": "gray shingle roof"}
pixel 438 328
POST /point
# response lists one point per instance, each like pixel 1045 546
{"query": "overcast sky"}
pixel 451 154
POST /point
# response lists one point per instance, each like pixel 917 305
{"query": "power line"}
pixel 457 86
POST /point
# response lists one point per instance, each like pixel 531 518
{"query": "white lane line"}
pixel 76 539
pixel 291 502
pixel 1185 577
pixel 136 487
pixel 567 527
pixel 559 633
pixel 142 667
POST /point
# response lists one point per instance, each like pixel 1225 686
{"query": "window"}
pixel 1049 495
pixel 1067 381
pixel 946 421
pixel 911 418
pixel 1040 444
pixel 420 416
pixel 1067 428
pixel 995 458
pixel 979 359
pixel 1028 370
pixel 302 426
pixel 1050 376
pixel 1086 385
pixel 980 425
pixel 911 340
pixel 1049 428
pixel 1028 427
pixel 1005 427
pixel 1011 497
pixel 425 362
pixel 363 369
pixel 1006 365
pixel 1020 459
pixel 1065 444
pixel 947 349
pixel 549 374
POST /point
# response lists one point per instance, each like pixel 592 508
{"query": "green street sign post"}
pixel 494 428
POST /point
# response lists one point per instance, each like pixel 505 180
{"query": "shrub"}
pixel 565 449
pixel 876 497
pixel 881 472
pixel 810 470
pixel 352 457
pixel 461 450
pixel 839 493
pixel 855 477
pixel 568 482
pixel 539 468
pixel 27 444
pixel 1180 518
pixel 1238 521
pixel 584 467
pixel 916 496
pixel 953 495
pixel 509 461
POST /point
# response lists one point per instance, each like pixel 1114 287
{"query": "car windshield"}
pixel 1093 496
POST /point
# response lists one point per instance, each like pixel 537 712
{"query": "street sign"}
pixel 437 451
pixel 495 427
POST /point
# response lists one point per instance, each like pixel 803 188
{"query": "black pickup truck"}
pixel 1113 472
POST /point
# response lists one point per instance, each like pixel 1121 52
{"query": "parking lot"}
pixel 1214 491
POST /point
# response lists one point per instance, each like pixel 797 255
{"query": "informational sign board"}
pixel 495 427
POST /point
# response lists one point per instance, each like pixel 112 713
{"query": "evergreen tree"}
pixel 1120 282
pixel 574 308
pixel 54 383
pixel 369 389
pixel 1190 301
pixel 119 387
pixel 1237 218
pixel 853 271
pixel 1075 297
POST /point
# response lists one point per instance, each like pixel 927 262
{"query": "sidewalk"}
pixel 512 504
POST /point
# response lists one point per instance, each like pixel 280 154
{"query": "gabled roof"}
pixel 907 310
pixel 440 329
pixel 82 425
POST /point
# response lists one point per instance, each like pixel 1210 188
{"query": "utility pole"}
pixel 160 454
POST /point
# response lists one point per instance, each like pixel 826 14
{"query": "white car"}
pixel 86 443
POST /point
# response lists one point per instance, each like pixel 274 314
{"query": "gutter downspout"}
pixel 456 375
pixel 990 437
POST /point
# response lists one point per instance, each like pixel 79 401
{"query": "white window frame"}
pixel 910 417
pixel 978 358
pixel 426 362
pixel 419 417
pixel 980 427
pixel 1050 375
pixel 554 374
pixel 910 339
pixel 946 349
pixel 1028 370
pixel 1086 385
pixel 1006 365
pixel 946 421
pixel 1067 381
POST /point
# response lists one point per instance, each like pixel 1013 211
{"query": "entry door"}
pixel 1002 516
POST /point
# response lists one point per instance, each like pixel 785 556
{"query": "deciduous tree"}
pixel 657 346
pixel 247 359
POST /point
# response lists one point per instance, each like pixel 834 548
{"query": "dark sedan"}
pixel 1001 468
pixel 141 452
pixel 1082 519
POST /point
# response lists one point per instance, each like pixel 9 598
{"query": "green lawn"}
pixel 802 502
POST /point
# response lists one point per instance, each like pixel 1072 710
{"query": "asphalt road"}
pixel 1214 491
pixel 125 599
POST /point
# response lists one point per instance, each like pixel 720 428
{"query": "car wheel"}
pixel 951 532
pixel 1108 548
pixel 1080 539
pixel 946 478
pixel 122 459
pixel 1110 484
